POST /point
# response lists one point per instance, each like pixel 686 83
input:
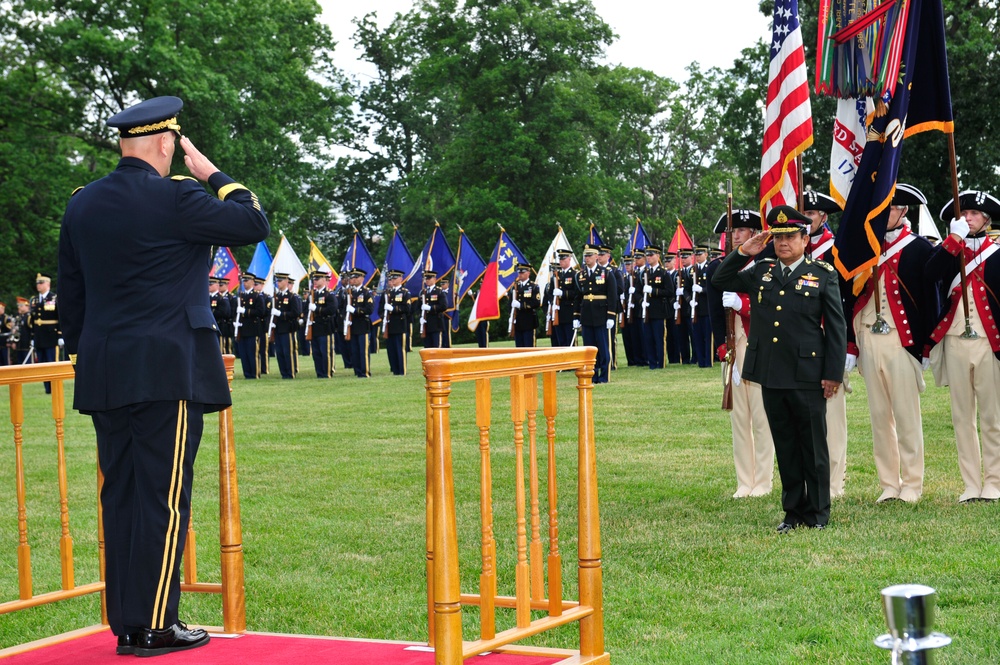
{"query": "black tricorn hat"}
pixel 972 200
pixel 742 219
pixel 908 195
pixel 813 200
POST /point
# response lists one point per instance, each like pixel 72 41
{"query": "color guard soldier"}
pixel 22 346
pixel 525 302
pixel 682 308
pixel 638 331
pixel 890 323
pixel 285 314
pixel 251 311
pixel 796 352
pixel 219 303
pixel 6 326
pixel 299 322
pixel 968 348
pixel 604 261
pixel 359 310
pixel 652 308
pixel 228 329
pixel 264 345
pixel 596 293
pixel 482 329
pixel 701 323
pixel 818 207
pixel 44 323
pixel 563 297
pixel 626 324
pixel 395 321
pixel 753 446
pixel 547 301
pixel 445 286
pixel 433 305
pixel 322 310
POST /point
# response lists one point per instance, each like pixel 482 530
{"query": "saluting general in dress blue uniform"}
pixel 134 252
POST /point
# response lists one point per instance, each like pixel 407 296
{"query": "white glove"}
pixel 555 308
pixel 61 341
pixel 275 311
pixel 242 310
pixel 732 300
pixel 697 288
pixel 557 292
pixel 611 324
pixel 850 363
pixel 925 364
pixel 694 303
pixel 576 324
pixel 312 307
pixel 646 289
pixel 422 320
pixel 677 306
pixel 389 307
pixel 959 227
pixel 631 290
pixel 516 304
pixel 679 291
pixel 350 309
pixel 426 308
pixel 736 375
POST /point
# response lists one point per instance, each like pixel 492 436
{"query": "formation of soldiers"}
pixel 31 334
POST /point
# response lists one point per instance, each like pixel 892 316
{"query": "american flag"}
pixel 788 120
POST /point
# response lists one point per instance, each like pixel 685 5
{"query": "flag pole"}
pixel 957 210
pixel 802 188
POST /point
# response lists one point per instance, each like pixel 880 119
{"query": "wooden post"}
pixel 522 579
pixel 234 618
pixel 447 594
pixel 535 561
pixel 190 557
pixel 23 549
pixel 555 558
pixel 429 513
pixel 65 540
pixel 590 575
pixel 488 577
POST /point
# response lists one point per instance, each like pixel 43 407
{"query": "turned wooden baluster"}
pixel 590 576
pixel 65 540
pixel 522 577
pixel 537 571
pixel 190 552
pixel 555 558
pixel 23 549
pixel 429 501
pixel 488 576
pixel 234 616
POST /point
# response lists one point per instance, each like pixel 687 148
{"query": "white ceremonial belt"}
pixel 822 249
pixel 977 261
pixel 896 248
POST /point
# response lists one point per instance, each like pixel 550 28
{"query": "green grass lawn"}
pixel 331 480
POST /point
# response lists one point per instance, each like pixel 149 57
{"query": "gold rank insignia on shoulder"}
pixel 824 265
pixel 768 259
pixel 75 192
pixel 178 178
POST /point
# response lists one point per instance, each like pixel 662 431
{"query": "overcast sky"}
pixel 663 37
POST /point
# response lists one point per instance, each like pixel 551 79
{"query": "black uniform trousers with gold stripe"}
pixel 146 452
pixel 360 356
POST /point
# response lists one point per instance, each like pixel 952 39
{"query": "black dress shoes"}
pixel 126 644
pixel 786 527
pixel 176 638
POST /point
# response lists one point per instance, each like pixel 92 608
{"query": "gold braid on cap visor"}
pixel 169 123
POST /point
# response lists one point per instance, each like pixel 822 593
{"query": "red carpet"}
pixel 98 649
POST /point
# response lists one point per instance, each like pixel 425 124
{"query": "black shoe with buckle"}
pixel 175 638
pixel 126 644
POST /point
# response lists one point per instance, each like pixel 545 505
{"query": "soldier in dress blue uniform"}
pixel 654 293
pixel 433 305
pixel 604 261
pixel 22 347
pixel 263 342
pixel 250 310
pixel 445 286
pixel 285 316
pixel 359 311
pixel 395 321
pixel 594 310
pixel 322 308
pixel 627 296
pixel 6 326
pixel 682 308
pixel 561 293
pixel 526 300
pixel 146 350
pixel 701 320
pixel 44 323
pixel 796 352
pixel 482 329
pixel 219 303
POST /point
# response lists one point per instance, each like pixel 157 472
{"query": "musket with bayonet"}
pixel 513 310
pixel 347 316
pixel 730 359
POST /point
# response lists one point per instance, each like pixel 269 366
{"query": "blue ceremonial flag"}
pixel 921 101
pixel 469 267
pixel 594 238
pixel 436 255
pixel 358 256
pixel 638 240
pixel 397 257
pixel 260 265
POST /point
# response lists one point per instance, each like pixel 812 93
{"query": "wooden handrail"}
pixel 443 368
pixel 230 532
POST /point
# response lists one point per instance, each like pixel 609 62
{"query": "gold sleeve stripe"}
pixel 229 189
